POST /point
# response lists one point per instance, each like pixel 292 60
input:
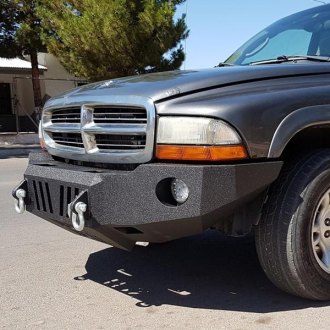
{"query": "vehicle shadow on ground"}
pixel 206 271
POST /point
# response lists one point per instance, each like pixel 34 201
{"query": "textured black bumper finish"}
pixel 123 206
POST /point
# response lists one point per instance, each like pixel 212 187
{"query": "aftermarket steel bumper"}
pixel 123 207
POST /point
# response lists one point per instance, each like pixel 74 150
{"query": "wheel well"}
pixel 315 137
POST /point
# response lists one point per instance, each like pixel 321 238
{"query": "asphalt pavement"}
pixel 52 279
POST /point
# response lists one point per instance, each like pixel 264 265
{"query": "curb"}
pixel 24 139
pixel 19 146
pixel 17 151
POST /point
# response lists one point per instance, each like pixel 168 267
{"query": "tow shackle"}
pixel 20 194
pixel 19 202
pixel 78 221
pixel 77 211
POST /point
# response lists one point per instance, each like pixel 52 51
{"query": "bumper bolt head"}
pixel 327 222
pixel 327 234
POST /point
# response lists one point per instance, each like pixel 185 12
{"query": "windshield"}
pixel 304 33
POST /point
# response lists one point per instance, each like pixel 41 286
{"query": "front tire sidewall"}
pixel 302 230
pixel 284 234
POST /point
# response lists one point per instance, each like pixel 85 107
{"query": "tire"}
pixel 292 237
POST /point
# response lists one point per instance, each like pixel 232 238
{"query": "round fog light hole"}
pixel 180 191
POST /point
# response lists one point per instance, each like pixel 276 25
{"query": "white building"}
pixel 16 92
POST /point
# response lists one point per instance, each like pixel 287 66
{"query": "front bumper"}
pixel 123 206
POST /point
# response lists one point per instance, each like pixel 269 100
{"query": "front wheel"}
pixel 293 236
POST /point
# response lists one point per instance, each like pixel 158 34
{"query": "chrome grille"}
pixel 68 139
pixel 120 115
pixel 106 141
pixel 114 133
pixel 66 116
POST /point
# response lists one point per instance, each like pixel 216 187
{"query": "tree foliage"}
pixel 8 17
pixel 20 28
pixel 20 33
pixel 99 39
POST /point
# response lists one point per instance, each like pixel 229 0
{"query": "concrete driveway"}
pixel 51 279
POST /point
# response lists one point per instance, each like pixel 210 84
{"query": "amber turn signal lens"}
pixel 41 139
pixel 42 143
pixel 200 153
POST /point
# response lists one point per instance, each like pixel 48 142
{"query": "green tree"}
pixel 99 39
pixel 8 17
pixel 20 32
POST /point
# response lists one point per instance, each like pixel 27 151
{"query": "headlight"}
pixel 195 138
pixel 194 130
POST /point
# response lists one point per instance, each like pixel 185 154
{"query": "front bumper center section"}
pixel 123 207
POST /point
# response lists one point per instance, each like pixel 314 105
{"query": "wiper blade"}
pixel 222 64
pixel 293 58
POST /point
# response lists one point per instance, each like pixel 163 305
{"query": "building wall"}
pixel 24 96
pixel 57 79
pixel 54 81
pixel 21 92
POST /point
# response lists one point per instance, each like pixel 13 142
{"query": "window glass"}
pixel 290 42
pixel 304 33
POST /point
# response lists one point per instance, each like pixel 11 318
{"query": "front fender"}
pixel 295 122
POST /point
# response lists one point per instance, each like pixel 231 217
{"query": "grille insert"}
pixel 68 139
pixel 120 115
pixel 66 116
pixel 120 142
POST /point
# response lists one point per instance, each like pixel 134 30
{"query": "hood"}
pixel 159 86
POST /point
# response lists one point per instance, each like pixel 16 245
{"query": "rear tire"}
pixel 293 236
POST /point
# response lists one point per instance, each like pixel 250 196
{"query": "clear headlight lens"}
pixel 195 131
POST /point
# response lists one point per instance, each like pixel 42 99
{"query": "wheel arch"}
pixel 298 126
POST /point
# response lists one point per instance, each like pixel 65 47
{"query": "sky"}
pixel 218 27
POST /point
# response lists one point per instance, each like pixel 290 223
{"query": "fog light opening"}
pixel 180 191
pixel 172 192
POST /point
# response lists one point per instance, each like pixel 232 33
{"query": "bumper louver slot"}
pixel 120 115
pixel 68 139
pixel 121 142
pixel 67 195
pixel 66 116
pixel 42 196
